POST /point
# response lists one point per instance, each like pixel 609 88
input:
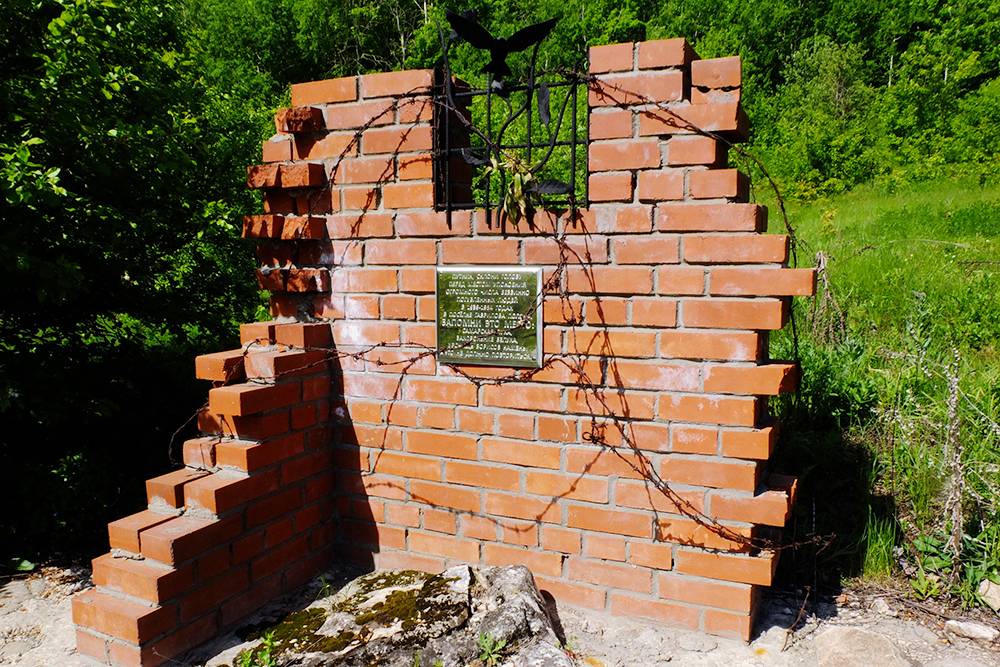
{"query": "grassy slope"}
pixel 917 273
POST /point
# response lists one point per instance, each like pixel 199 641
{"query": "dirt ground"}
pixel 872 628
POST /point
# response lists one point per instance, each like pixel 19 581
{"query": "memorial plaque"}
pixel 490 316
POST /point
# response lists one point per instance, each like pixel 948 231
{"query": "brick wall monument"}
pixel 630 473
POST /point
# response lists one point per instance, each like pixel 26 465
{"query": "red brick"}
pixel 394 140
pixel 200 452
pixel 734 314
pixel 393 463
pixel 274 364
pixel 439 495
pixel 624 404
pixel 473 474
pixel 575 594
pixel 299 119
pixel 521 453
pixel 680 280
pixel 605 547
pixel 769 508
pixel 728 567
pixel 416 167
pixel 440 545
pixel 722 117
pixel 717 73
pixel 727 410
pixel 554 538
pixel 183 537
pixel 700 534
pixel 328 90
pixel 417 109
pixel 695 149
pixel 609 521
pixel 303 335
pixel 125 533
pixel 648 496
pixel 122 619
pixel 221 492
pixel 654 312
pixel 410 251
pixel 655 375
pixel 694 440
pixel 146 580
pixel 736 249
pixel 364 170
pixel 391 84
pixel 359 114
pixel 769 379
pixel 628 577
pixel 656 556
pixel 541 562
pixel 169 488
pixel 610 186
pixel 523 396
pixel 665 612
pixel 208 597
pixel 557 429
pixel 408 195
pixel 725 624
pixel 337 145
pixel 433 223
pixel 661 185
pixel 440 521
pixel 277 149
pixel 711 472
pixel 718 183
pixel 737 597
pixel 220 366
pixel 623 155
pixel 577 487
pixel 610 124
pixel 643 88
pixel 646 250
pixel 611 58
pixel 479 251
pixel 520 507
pixel 523 533
pixel 247 399
pixel 735 346
pixel 263 226
pixel 710 217
pixel 750 444
pixel 251 456
pixel 755 281
pixel 458 392
pixel 357 226
pixel 665 53
pixel 516 425
pixel 610 280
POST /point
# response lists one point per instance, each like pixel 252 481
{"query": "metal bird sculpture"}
pixel 468 29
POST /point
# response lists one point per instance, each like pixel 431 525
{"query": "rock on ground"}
pixel 463 616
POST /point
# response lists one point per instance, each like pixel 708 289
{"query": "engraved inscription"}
pixel 489 316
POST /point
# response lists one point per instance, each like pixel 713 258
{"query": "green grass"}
pixel 916 274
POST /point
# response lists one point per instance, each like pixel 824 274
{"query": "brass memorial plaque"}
pixel 490 316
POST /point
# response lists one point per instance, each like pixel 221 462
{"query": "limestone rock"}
pixel 990 593
pixel 408 618
pixel 972 630
pixel 849 647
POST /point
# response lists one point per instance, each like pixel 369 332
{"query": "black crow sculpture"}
pixel 468 29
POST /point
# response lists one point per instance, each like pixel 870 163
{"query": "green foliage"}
pixel 914 270
pixel 261 655
pixel 490 649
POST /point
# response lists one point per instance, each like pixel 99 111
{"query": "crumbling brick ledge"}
pixel 331 434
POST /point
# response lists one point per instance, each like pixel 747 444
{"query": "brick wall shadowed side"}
pixel 333 433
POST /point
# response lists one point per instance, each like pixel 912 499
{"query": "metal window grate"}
pixel 485 137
